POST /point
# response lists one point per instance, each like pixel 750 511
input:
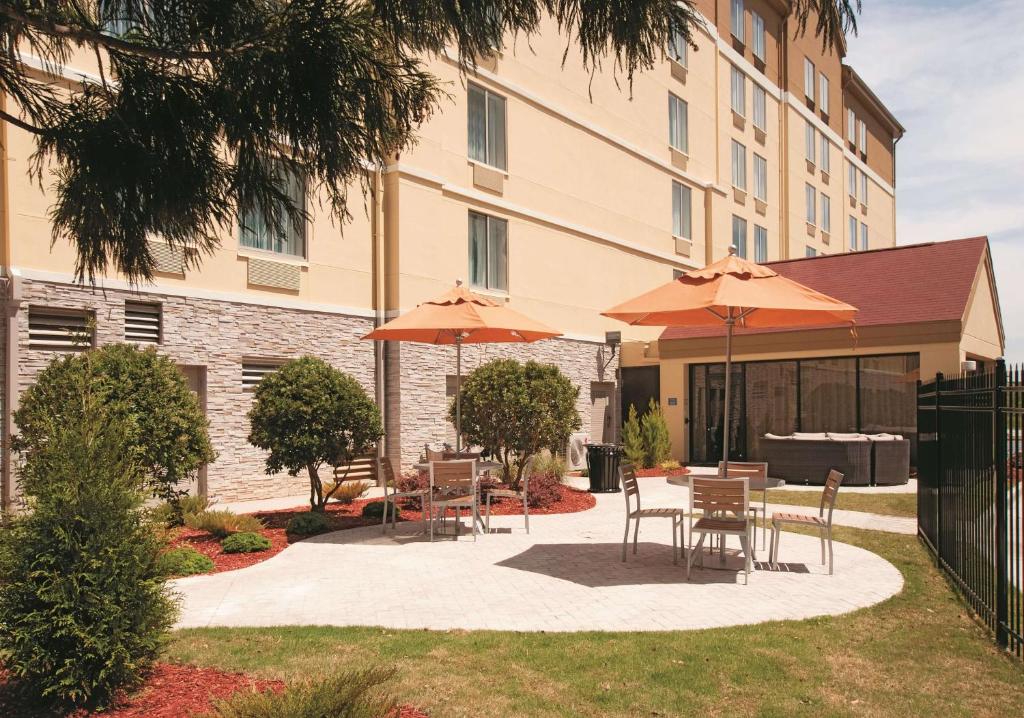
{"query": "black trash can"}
pixel 603 467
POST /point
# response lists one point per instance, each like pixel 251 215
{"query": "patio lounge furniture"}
pixel 454 485
pixel 725 506
pixel 822 522
pixel 631 490
pixel 388 473
pixel 757 470
pixel 800 459
pixel 519 495
pixel 890 459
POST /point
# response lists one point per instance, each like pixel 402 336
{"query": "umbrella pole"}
pixel 458 394
pixel 729 322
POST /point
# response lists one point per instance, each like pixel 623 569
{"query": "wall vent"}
pixel 254 371
pixel 142 322
pixel 168 259
pixel 280 275
pixel 59 330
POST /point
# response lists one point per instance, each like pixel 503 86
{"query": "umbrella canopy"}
pixel 733 291
pixel 460 317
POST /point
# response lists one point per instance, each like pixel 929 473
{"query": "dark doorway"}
pixel 639 385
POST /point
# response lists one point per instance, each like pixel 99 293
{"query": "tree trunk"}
pixel 316 490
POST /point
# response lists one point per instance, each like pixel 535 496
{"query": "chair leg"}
pixel 384 523
pixel 822 548
pixel 830 551
pixel 695 553
pixel 526 513
pixel 636 532
pixel 721 548
pixel 675 544
pixel 488 513
pixel 625 540
pixel 745 543
pixel 776 537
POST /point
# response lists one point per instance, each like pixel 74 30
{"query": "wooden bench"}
pixel 362 468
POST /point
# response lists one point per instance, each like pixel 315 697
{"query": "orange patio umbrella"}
pixel 460 317
pixel 733 291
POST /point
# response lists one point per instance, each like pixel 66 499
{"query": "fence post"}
pixel 938 470
pixel 1002 539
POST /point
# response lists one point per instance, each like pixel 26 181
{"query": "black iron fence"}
pixel 970 508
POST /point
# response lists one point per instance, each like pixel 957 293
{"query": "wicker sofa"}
pixel 865 460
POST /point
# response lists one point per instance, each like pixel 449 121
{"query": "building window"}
pixel 851 127
pixel 677 46
pixel 823 93
pixel 760 244
pixel 681 211
pixel 739 236
pixel 853 234
pixel 809 79
pixel 737 20
pixel 739 165
pixel 739 92
pixel 826 213
pixel 60 330
pixel 809 141
pixel 254 371
pixel 677 123
pixel 677 273
pixel 488 252
pixel 824 160
pixel 290 236
pixel 851 180
pixel 811 252
pixel 757 30
pixel 812 201
pixel 487 127
pixel 863 237
pixel 142 322
pixel 864 188
pixel 863 136
pixel 760 178
pixel 760 108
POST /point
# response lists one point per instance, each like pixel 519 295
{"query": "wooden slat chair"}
pixel 432 454
pixel 631 490
pixel 750 470
pixel 724 506
pixel 823 521
pixel 454 485
pixel 520 495
pixel 388 473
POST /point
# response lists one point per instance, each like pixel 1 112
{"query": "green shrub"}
pixel 172 513
pixel 654 429
pixel 632 440
pixel 307 524
pixel 84 609
pixel 375 510
pixel 164 427
pixel 184 561
pixel 548 463
pixel 347 695
pixel 347 492
pixel 670 465
pixel 246 542
pixel 308 414
pixel 223 523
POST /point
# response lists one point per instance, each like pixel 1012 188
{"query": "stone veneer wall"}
pixel 417 401
pixel 217 335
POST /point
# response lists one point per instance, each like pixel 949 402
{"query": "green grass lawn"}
pixel 919 653
pixel 888 504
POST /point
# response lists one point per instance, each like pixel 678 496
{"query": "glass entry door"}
pixel 707 416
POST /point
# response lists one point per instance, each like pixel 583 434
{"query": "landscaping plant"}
pixel 654 431
pixel 307 524
pixel 516 410
pixel 172 513
pixel 184 561
pixel 246 542
pixel 347 491
pixel 165 430
pixel 375 510
pixel 222 523
pixel 632 440
pixel 308 414
pixel 84 609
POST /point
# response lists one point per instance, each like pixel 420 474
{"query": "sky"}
pixel 952 71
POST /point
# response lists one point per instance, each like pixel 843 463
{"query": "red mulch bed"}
pixel 682 471
pixel 177 691
pixel 209 545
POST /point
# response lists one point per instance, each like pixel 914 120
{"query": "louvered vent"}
pixel 168 260
pixel 54 330
pixel 266 273
pixel 253 373
pixel 142 322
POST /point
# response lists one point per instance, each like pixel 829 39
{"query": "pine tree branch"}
pixel 96 38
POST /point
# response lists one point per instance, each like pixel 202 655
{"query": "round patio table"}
pixel 482 467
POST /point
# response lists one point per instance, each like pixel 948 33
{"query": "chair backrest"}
pixel 452 455
pixel 745 469
pixel 718 496
pixel 361 468
pixel 828 494
pixel 431 454
pixel 453 475
pixel 630 487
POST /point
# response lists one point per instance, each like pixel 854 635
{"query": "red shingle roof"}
pixel 900 285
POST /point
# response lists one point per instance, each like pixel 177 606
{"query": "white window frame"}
pixel 864 188
pixel 737 20
pixel 825 161
pixel 863 237
pixel 757 40
pixel 677 49
pixel 760 178
pixel 862 133
pixel 810 251
pixel 809 78
pixel 811 198
pixel 760 110
pixel 810 143
pixel 760 244
pixel 290 239
pixel 739 165
pixel 851 126
pixel 682 211
pixel 678 123
pixel 489 283
pixel 738 91
pixel 823 93
pixel 500 163
pixel 739 236
pixel 852 226
pixel 826 213
pixel 851 179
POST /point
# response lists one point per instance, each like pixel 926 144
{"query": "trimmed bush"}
pixel 347 695
pixel 164 427
pixel 223 523
pixel 246 542
pixel 375 510
pixel 184 561
pixel 307 524
pixel 84 609
pixel 347 492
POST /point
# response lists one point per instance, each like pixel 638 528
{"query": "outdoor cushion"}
pixel 810 435
pixel 846 437
pixel 776 436
pixel 885 437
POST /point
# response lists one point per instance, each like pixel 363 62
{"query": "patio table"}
pixel 755 484
pixel 482 467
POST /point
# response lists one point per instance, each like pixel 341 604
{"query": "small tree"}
pixel 516 410
pixel 307 414
pixel 632 440
pixel 83 604
pixel 656 441
pixel 144 392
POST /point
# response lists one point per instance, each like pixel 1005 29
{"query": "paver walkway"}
pixel 564 576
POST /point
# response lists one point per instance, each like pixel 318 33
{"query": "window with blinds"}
pixel 142 322
pixel 59 330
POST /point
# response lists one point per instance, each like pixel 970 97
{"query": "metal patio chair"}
pixel 631 490
pixel 757 470
pixel 518 495
pixel 822 521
